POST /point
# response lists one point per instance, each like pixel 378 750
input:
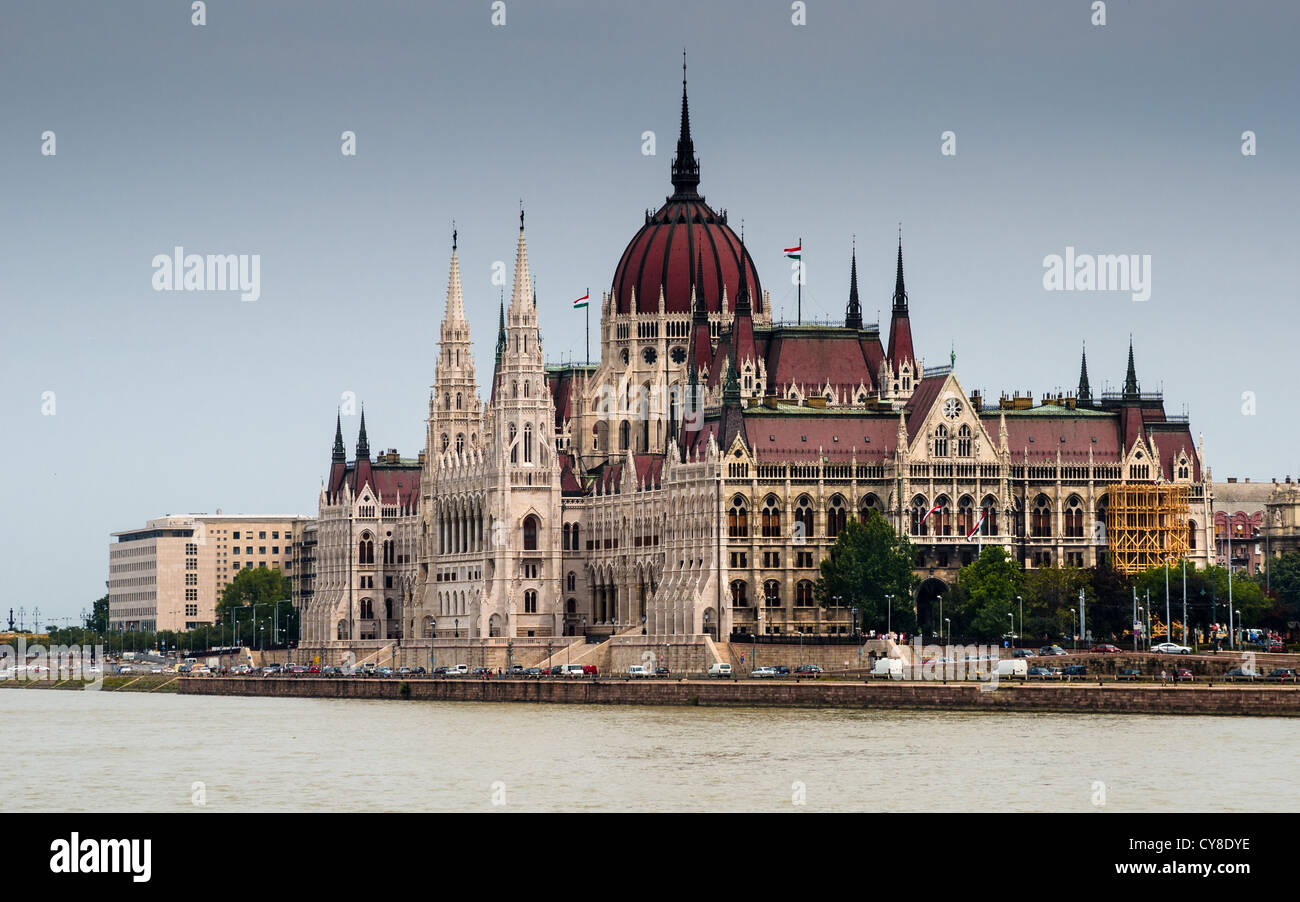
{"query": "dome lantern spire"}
pixel 686 168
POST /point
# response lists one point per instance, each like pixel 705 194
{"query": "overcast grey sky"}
pixel 226 139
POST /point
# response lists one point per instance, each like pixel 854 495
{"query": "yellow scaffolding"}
pixel 1146 525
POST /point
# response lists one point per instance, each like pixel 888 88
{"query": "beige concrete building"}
pixel 169 574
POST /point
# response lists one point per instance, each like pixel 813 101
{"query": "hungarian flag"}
pixel 978 523
pixel 582 301
pixel 796 252
pixel 933 510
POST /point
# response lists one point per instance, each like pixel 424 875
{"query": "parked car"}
pixel 240 670
pixel 557 670
pixel 418 671
pixel 811 670
pixel 1183 675
pixel 533 673
pixel 271 670
pixel 1076 670
pixel 1240 673
pixel 573 671
pixel 1040 673
pixel 760 673
pixel 480 671
pixel 1049 650
pixel 125 668
pixel 458 670
pixel 781 669
pixel 720 669
pixel 590 670
pixel 298 670
pixel 1170 648
pixel 1275 645
pixel 404 671
pixel 662 672
pixel 888 667
pixel 515 670
pixel 315 668
pixel 1023 653
pixel 638 671
pixel 1106 649
pixel 1129 674
pixel 1282 674
pixel 441 671
pixel 184 668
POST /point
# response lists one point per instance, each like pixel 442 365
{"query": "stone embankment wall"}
pixel 1071 698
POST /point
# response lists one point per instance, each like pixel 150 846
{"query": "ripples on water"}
pixel 123 752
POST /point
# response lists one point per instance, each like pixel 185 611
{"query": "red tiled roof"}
pixel 1042 435
pixel 393 483
pixel 923 398
pixel 817 357
pixel 839 437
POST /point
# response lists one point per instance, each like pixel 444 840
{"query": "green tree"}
pixel 1284 581
pixel 867 562
pixel 98 618
pixel 268 590
pixel 991 583
pixel 1050 594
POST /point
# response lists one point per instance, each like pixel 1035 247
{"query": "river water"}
pixel 115 751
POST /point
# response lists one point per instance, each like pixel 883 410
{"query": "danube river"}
pixel 115 751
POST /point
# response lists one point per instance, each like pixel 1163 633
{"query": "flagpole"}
pixel 587 347
pixel 799 287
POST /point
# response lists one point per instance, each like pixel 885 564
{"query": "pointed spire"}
pixel 363 444
pixel 900 292
pixel 743 306
pixel 701 312
pixel 501 330
pixel 731 388
pixel 455 300
pixel 1131 379
pixel 340 453
pixel 1084 395
pixel 686 168
pixel 853 316
pixel 520 299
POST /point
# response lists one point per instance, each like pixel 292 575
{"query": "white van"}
pixel 720 670
pixel 573 671
pixel 457 670
pixel 1013 667
pixel 888 667
pixel 638 670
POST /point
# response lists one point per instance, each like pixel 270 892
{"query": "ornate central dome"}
pixel 683 236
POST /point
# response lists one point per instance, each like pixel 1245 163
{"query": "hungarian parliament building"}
pixel 691 482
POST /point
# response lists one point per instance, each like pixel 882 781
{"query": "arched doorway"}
pixel 927 605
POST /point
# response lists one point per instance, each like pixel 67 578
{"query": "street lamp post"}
pixel 889 615
pixel 1022 616
pixel 948 624
pixel 433 647
pixel 1013 626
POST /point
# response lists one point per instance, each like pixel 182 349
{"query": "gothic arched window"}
pixel 964 441
pixel 803 519
pixel 530 533
pixel 771 515
pixel 739 593
pixel 738 519
pixel 836 517
pixel 1040 518
pixel 941 441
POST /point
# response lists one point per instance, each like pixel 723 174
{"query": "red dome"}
pixel 684 233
